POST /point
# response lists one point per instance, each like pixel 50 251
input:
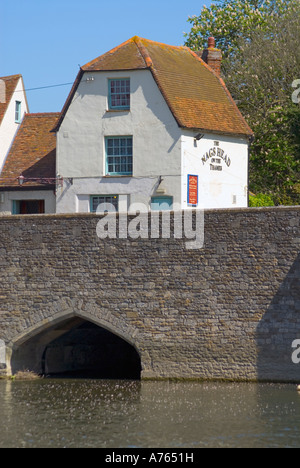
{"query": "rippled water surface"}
pixel 121 414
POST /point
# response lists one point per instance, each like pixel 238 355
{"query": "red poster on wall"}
pixel 192 190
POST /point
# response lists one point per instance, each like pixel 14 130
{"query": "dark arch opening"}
pixel 80 349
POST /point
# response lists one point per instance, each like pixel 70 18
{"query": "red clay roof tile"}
pixel 125 57
pixel 33 153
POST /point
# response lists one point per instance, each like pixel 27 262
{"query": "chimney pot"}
pixel 211 42
pixel 212 56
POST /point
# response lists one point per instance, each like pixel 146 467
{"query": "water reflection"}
pixel 114 414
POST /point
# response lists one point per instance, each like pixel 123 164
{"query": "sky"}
pixel 46 41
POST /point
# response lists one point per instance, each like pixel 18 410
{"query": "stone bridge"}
pixel 71 302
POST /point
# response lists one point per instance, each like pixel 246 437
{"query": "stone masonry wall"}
pixel 230 310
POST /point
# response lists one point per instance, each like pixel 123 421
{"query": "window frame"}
pixel 121 107
pixel 162 198
pixel 18 111
pixel 92 197
pixel 22 207
pixel 107 156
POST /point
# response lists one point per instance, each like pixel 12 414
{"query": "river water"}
pixel 126 414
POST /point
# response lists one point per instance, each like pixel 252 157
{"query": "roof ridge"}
pixel 138 41
pixel 143 51
pixel 161 43
pixel 11 77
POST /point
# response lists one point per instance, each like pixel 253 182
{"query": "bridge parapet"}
pixel 226 310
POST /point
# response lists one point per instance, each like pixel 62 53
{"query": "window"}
pixel 118 155
pixel 18 112
pixel 28 207
pixel 161 203
pixel 119 94
pixel 110 203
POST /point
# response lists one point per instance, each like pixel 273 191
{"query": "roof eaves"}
pixel 212 131
pixel 167 100
pixel 18 188
pixel 250 133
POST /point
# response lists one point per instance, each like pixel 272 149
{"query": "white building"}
pixel 153 124
pixel 145 125
pixel 13 106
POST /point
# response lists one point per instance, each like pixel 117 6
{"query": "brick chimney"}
pixel 212 56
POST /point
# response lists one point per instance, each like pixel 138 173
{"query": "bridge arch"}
pixel 77 344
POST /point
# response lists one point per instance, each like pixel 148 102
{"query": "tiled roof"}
pixel 10 86
pixel 124 57
pixel 32 154
pixel 196 96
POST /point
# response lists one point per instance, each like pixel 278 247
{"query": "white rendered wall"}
pixel 221 164
pixel 9 127
pixel 7 198
pixel 81 144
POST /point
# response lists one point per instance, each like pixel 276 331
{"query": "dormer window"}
pixel 119 94
pixel 18 112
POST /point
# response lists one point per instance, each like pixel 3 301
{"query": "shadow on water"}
pixel 277 330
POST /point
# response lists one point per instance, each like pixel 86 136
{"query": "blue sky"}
pixel 46 41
